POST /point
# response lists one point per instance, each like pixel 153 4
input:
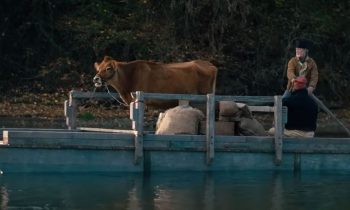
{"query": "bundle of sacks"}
pixel 179 120
pixel 247 125
pixel 186 120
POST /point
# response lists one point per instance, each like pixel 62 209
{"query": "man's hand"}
pixel 310 90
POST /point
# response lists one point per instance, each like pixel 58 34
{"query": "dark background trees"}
pixel 48 45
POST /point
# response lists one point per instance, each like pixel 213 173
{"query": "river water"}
pixel 177 191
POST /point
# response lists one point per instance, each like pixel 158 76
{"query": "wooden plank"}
pixel 279 126
pixel 90 160
pixel 106 130
pixel 210 132
pixel 86 95
pixel 161 96
pixel 34 134
pixel 317 145
pixel 261 108
pixel 23 160
pixel 77 140
pixel 96 140
pixel 249 100
pixel 250 145
pixel 182 137
pixel 252 99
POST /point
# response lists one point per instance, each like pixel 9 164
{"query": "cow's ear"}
pixel 114 64
pixel 96 66
pixel 107 58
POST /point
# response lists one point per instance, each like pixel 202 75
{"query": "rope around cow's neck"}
pixel 120 102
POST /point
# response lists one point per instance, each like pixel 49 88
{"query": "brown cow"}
pixel 194 77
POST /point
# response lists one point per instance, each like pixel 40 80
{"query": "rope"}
pixel 320 103
pixel 120 102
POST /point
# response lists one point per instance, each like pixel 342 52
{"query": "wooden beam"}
pixel 83 95
pixel 261 108
pixel 107 130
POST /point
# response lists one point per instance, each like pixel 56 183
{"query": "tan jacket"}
pixel 308 69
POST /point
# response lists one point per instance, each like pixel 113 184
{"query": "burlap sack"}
pixel 232 112
pixel 251 127
pixel 179 120
pixel 228 108
pixel 221 128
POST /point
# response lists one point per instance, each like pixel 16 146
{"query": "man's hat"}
pixel 303 43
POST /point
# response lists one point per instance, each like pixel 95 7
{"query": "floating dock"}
pixel 105 150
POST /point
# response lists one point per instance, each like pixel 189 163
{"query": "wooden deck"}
pixel 105 150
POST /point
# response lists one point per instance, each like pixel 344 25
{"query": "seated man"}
pixel 302 111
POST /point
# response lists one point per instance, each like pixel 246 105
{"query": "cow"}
pixel 193 77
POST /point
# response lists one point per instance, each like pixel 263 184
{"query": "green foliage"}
pixel 53 44
pixel 86 116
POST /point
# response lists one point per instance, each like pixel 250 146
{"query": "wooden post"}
pixel 139 109
pixel 210 132
pixel 279 128
pixel 70 111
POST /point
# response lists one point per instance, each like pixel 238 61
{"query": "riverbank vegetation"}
pixel 49 47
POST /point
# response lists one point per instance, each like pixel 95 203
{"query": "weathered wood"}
pixel 71 105
pixel 279 126
pixel 77 151
pixel 139 108
pixel 270 109
pixel 86 95
pixel 67 113
pixel 44 160
pixel 256 100
pixel 133 115
pixel 261 108
pixel 108 130
pixel 162 96
pixel 53 139
pixel 71 108
pixel 249 100
pixel 153 142
pixel 210 132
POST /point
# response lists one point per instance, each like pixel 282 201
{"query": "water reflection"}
pixel 177 191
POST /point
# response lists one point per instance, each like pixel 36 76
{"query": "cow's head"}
pixel 105 71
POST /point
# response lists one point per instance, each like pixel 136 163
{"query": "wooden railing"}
pixel 255 103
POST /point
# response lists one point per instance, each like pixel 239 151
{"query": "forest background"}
pixel 49 47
